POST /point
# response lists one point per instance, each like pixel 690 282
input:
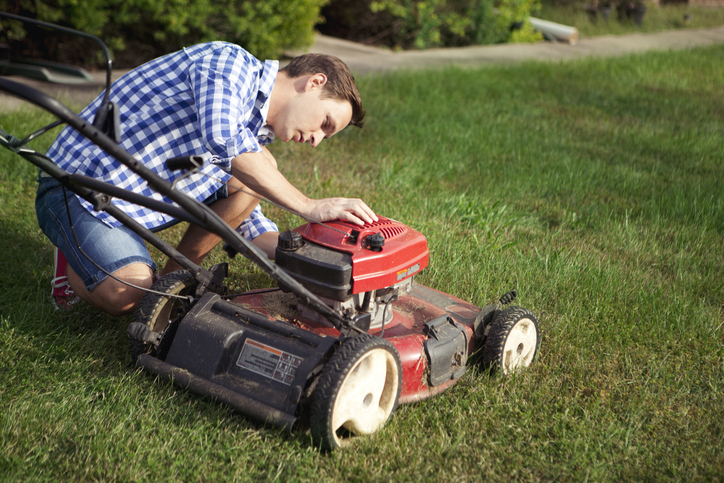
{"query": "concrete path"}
pixel 363 59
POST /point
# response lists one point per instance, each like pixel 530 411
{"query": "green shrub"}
pixel 513 11
pixel 138 30
pixel 423 23
pixel 430 23
pixel 526 34
pixel 268 27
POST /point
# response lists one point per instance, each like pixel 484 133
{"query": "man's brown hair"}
pixel 340 84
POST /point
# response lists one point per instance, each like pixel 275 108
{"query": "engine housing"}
pixel 354 268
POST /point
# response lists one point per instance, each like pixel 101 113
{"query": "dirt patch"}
pixel 279 305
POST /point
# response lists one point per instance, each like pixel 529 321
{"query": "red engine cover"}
pixel 404 253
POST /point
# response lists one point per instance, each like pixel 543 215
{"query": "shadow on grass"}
pixel 26 307
pixel 83 350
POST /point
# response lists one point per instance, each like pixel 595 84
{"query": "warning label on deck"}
pixel 268 361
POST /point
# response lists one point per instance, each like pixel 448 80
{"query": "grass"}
pixel 656 19
pixel 592 187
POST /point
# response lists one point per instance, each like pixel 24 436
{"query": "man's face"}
pixel 309 118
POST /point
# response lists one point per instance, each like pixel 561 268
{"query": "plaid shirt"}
pixel 210 100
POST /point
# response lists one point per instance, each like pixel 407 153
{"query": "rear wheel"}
pixel 357 391
pixel 157 311
pixel 512 340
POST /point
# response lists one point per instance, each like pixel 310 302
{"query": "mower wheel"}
pixel 512 340
pixel 357 391
pixel 157 311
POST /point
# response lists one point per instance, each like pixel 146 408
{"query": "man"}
pixel 213 100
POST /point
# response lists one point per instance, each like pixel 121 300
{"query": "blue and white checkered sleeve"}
pixel 256 224
pixel 223 86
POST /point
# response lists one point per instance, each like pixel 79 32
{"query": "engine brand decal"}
pixel 402 274
pixel 268 361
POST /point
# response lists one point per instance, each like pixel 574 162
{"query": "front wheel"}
pixel 158 311
pixel 512 340
pixel 357 391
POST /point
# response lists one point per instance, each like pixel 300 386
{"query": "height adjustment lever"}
pixel 108 121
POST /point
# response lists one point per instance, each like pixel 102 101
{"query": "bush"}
pixel 424 23
pixel 429 23
pixel 139 30
pixel 269 27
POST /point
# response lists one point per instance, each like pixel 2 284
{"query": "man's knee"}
pixel 123 301
pixel 113 296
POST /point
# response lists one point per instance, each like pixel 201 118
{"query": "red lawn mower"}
pixel 273 356
pixel 346 336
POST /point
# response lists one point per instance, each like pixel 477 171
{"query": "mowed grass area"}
pixel 593 187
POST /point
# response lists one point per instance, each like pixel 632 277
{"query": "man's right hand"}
pixel 348 209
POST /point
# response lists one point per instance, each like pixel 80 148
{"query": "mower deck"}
pixel 433 350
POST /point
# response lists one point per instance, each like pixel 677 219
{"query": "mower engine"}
pixel 356 270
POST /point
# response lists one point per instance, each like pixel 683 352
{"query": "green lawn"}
pixel 656 19
pixel 592 187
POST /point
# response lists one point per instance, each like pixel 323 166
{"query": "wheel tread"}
pixel 341 362
pixel 498 335
pixel 151 304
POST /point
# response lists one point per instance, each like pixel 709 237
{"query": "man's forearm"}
pixel 259 173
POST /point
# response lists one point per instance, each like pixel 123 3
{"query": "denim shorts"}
pixel 110 248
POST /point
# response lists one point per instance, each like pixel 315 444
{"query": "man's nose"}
pixel 316 139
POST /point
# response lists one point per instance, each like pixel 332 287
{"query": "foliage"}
pixel 490 21
pixel 286 24
pixel 423 24
pixel 516 12
pixel 658 18
pixel 138 30
pixel 526 34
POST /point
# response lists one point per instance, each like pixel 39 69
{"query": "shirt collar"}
pixel 266 84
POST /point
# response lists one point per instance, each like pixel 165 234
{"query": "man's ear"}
pixel 316 81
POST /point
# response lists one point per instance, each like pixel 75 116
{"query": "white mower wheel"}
pixel 157 311
pixel 512 340
pixel 357 391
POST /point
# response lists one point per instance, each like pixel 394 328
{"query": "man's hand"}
pixel 352 210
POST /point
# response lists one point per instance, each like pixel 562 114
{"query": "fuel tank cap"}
pixel 290 241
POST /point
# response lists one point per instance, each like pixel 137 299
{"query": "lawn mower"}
pixel 347 335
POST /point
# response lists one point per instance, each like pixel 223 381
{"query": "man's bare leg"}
pixel 112 296
pixel 198 242
pixel 267 242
